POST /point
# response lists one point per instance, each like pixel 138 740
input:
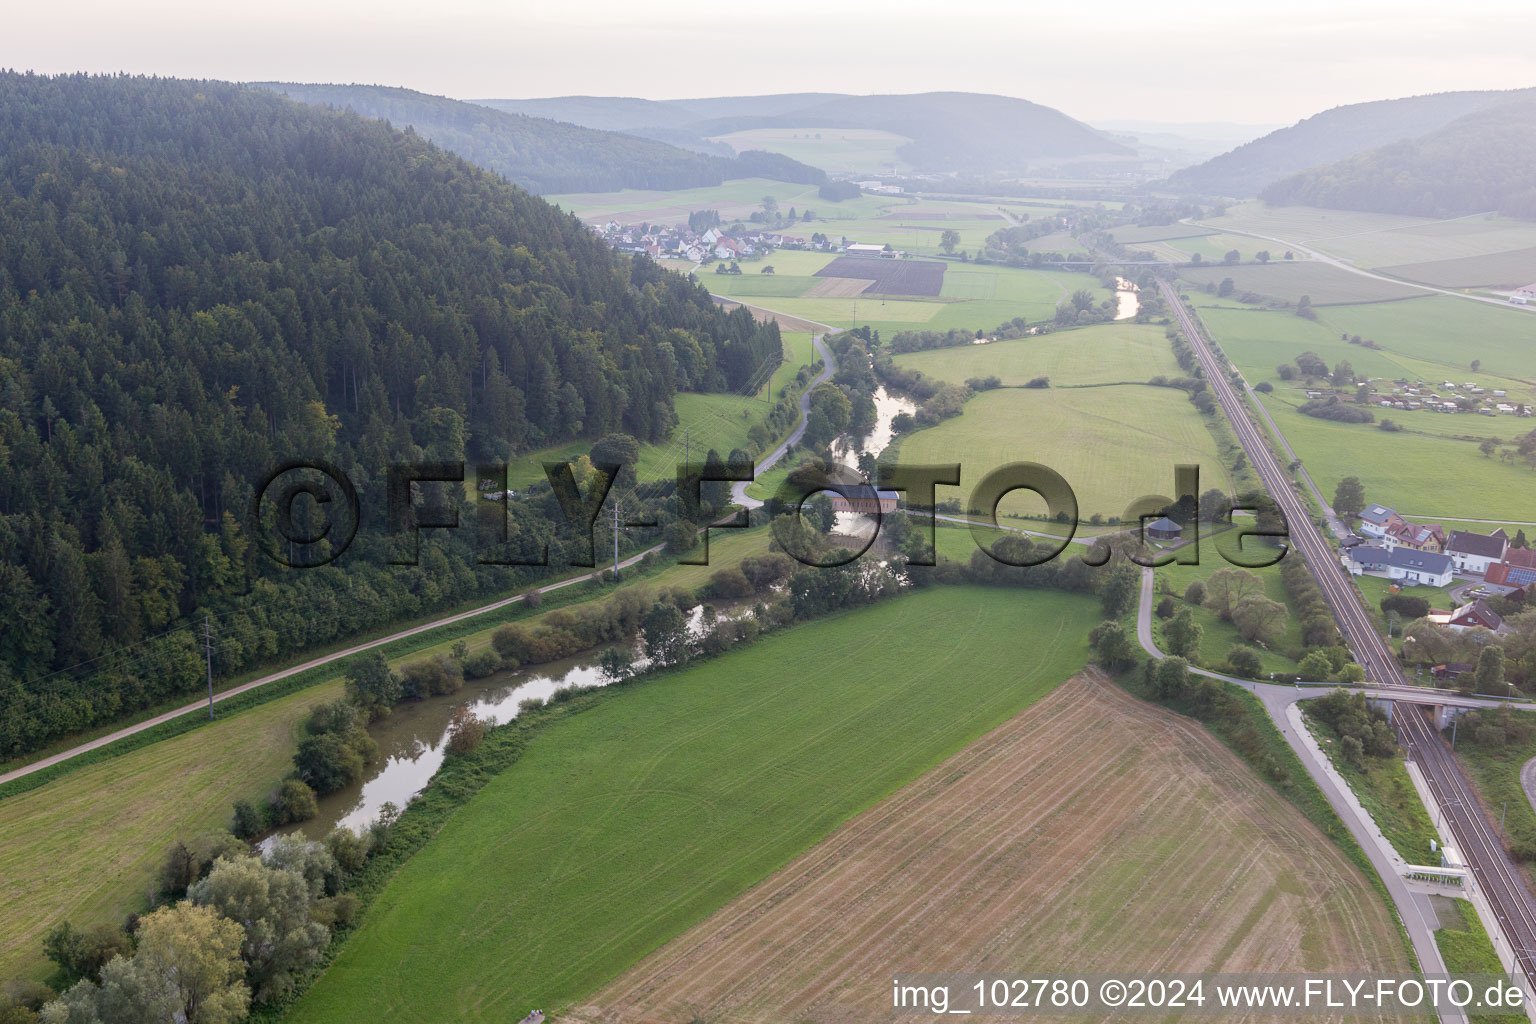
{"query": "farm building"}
pixel 1164 530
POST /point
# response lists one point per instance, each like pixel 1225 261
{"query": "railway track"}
pixel 1476 838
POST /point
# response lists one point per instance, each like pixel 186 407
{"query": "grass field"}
pixel 1501 269
pixel 85 847
pixel 733 199
pixel 1290 280
pixel 837 150
pixel 1112 444
pixel 1494 247
pixel 1100 354
pixel 1420 474
pixel 1220 637
pixel 627 824
pixel 1132 840
pixel 971 296
pixel 1431 468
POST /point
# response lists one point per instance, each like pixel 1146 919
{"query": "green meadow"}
pixel 1112 444
pixel 972 297
pixel 1099 354
pixel 625 824
pixel 85 847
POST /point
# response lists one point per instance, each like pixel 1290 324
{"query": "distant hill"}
pixel 542 155
pixel 1333 135
pixel 1484 161
pixel 950 131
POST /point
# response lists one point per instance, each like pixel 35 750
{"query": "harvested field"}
pixel 1092 832
pixel 891 277
pixel 837 288
pixel 1508 269
pixel 785 321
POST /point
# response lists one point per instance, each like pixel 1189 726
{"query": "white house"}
pixel 1377 519
pixel 1474 553
pixel 1414 567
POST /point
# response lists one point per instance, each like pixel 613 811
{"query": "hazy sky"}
pixel 1243 60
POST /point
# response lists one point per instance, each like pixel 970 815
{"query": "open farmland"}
pixel 625 825
pixel 1502 269
pixel 971 296
pixel 1112 444
pixel 86 846
pixel 1289 280
pixel 890 276
pixel 1098 354
pixel 1090 833
pixel 1483 249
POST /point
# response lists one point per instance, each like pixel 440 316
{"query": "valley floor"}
pixel 1092 832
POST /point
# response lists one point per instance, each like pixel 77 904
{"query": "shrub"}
pixel 1165 608
pixel 1195 592
pixel 1244 661
pixel 249 821
pixel 482 663
pixel 465 731
pixel 295 802
pixel 533 598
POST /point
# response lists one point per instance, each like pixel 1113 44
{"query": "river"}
pixel 413 736
pixel 1126 296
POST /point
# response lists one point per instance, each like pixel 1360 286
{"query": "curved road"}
pixel 1491 865
pixel 828 368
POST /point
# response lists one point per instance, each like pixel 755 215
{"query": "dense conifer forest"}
pixel 199 280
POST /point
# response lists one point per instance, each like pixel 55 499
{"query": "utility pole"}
pixel 1501 818
pixel 688 448
pixel 615 540
pixel 208 652
pixel 1453 731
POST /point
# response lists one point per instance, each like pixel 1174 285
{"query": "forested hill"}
pixel 198 280
pixel 948 131
pixel 547 156
pixel 1333 135
pixel 1485 161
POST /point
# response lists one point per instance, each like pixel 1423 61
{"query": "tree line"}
pixel 198 280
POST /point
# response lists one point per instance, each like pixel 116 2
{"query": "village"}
pixel 679 241
pixel 1475 568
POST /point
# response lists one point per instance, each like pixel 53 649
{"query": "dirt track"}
pixel 1091 833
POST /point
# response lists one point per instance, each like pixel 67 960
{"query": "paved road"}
pixel 447 620
pixel 829 367
pixel 201 705
pixel 1417 917
pixel 1475 836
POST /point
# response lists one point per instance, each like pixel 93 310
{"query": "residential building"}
pixel 1429 568
pixel 1413 536
pixel 1474 552
pixel 1469 616
pixel 1375 520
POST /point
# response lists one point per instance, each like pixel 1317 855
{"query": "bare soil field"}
pixel 891 277
pixel 837 288
pixel 1092 833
